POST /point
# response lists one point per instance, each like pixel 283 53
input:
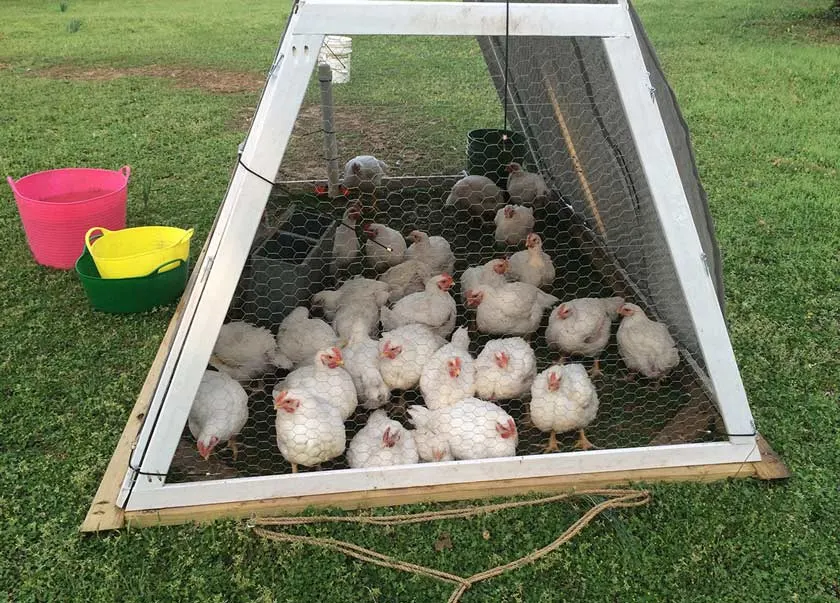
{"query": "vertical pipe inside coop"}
pixel 330 142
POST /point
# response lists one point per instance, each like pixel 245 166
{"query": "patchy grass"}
pixel 762 106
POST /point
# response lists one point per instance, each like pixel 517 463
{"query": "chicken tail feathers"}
pixel 283 361
pixel 546 300
pixel 461 338
pixel 420 416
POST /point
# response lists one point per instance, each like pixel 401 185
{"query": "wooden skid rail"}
pixel 770 467
pixel 104 515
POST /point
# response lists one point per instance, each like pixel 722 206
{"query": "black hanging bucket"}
pixel 490 150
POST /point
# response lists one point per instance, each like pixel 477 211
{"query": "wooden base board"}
pixel 103 513
pixel 769 468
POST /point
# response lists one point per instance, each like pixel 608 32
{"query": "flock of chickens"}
pixel 343 361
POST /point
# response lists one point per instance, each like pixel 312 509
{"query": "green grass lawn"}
pixel 758 82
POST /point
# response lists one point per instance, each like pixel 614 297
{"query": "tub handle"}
pixel 187 236
pixel 89 233
pixel 126 171
pixel 12 185
pixel 159 269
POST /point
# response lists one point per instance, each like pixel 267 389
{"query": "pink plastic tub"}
pixel 57 208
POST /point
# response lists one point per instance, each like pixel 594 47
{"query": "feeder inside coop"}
pixel 590 111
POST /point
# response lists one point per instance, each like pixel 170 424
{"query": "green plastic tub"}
pixel 490 150
pixel 138 294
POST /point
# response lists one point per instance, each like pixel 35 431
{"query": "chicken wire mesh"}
pixel 424 315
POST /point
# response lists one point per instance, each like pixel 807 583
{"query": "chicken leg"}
pixel 596 371
pixel 233 446
pixel 583 442
pixel 294 468
pixel 552 443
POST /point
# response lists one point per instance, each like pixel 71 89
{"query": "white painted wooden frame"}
pixel 230 241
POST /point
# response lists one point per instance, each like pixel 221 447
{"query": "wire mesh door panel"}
pixel 455 301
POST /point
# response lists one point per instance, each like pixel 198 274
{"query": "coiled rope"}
pixel 615 499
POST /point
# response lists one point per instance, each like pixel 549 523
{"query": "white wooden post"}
pixel 227 251
pixel 660 169
pixel 328 119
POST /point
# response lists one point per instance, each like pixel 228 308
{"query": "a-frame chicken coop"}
pixel 579 89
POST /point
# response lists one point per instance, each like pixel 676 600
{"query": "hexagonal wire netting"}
pixel 330 385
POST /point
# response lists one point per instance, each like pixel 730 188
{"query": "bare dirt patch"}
pixel 209 80
pixel 811 27
pixel 359 130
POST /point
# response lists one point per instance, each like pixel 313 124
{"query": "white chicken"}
pixel 433 251
pixel 243 350
pixel 512 309
pixel 219 412
pixel 325 378
pixel 449 375
pixel 433 307
pixel 645 345
pixel 404 351
pixel 563 399
pixel 492 274
pixel 432 447
pixel 473 428
pixel 384 248
pixel 526 187
pixel 382 442
pixel 364 174
pixel 310 431
pixel 299 337
pixel 330 300
pixel 478 194
pixel 513 223
pixel 505 369
pixel 532 265
pixel 406 278
pixel 360 309
pixel 583 326
pixel 361 360
pixel 346 241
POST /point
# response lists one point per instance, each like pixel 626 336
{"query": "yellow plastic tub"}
pixel 133 252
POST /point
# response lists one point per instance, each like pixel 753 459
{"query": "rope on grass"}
pixel 614 499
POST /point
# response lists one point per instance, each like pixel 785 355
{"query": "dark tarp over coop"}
pixel 571 77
